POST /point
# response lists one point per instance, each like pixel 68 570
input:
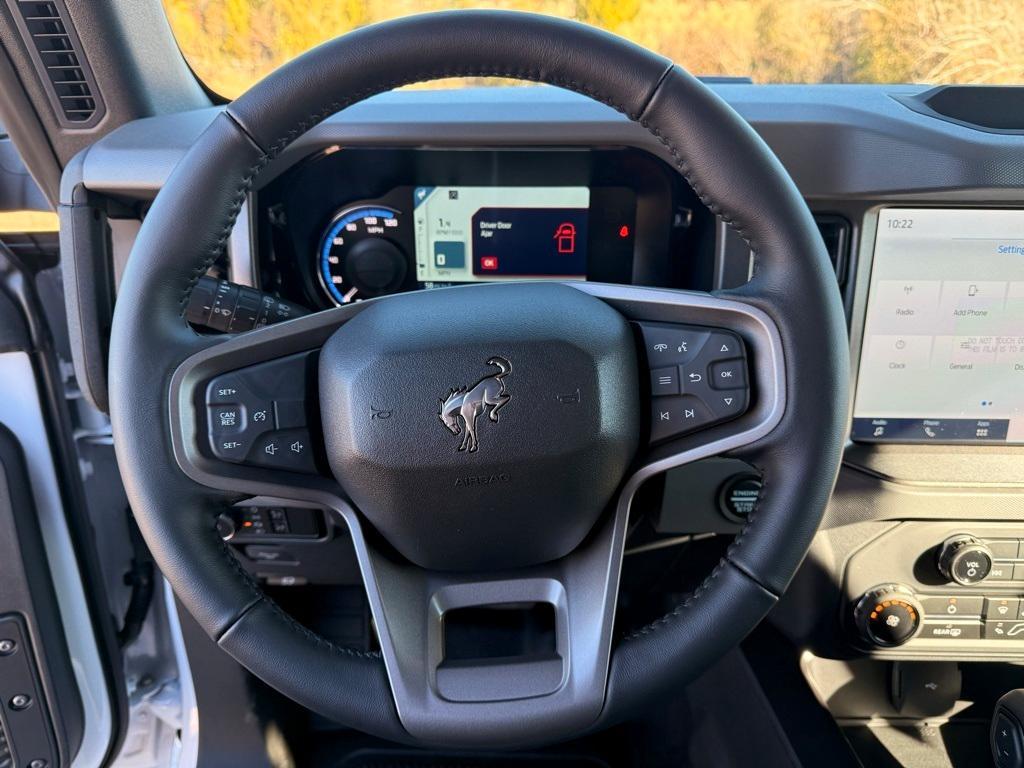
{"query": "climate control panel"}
pixel 929 589
pixel 891 615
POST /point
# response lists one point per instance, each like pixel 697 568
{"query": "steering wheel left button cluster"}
pixel 257 415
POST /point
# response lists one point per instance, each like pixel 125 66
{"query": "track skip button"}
pixel 673 416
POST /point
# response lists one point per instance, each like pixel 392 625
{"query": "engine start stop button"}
pixel 738 495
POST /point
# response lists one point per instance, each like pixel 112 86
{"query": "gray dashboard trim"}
pixel 837 141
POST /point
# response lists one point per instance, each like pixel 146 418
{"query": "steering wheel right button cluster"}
pixel 698 377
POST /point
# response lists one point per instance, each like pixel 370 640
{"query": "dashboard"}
pixel 345 225
pixel 923 218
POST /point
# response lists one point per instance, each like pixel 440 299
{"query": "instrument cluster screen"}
pixel 943 352
pixel 468 234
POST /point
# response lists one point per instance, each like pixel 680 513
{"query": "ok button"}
pixel 728 374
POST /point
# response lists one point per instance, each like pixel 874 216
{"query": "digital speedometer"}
pixel 359 256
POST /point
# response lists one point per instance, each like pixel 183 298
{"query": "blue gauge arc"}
pixel 330 274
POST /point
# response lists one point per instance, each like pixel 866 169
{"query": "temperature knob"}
pixel 964 559
pixel 888 615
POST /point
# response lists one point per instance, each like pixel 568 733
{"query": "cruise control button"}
pixel 230 448
pixel 728 374
pixel 237 412
pixel 227 419
pixel 261 417
pixel 246 404
pixel 665 381
pixel 226 389
pixel 287 449
pixel 233 426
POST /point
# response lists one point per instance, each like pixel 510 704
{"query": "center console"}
pixel 939 402
pixel 949 589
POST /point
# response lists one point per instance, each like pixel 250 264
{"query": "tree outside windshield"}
pixel 231 44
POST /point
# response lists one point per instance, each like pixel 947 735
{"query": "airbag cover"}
pixel 481 427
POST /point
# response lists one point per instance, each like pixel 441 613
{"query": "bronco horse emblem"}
pixel 460 410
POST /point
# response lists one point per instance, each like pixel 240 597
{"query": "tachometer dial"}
pixel 359 258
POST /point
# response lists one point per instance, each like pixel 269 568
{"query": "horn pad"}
pixel 485 426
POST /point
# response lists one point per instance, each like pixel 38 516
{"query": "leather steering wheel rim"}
pixel 721 157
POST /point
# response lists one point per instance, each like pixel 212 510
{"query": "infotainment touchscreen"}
pixel 942 358
pixel 468 234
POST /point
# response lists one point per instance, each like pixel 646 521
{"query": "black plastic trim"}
pixel 29 603
pixel 88 293
pixel 988 108
pixel 64 105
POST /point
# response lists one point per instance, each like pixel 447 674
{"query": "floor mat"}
pixel 954 745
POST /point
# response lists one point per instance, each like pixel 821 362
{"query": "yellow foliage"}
pixel 233 43
pixel 27 221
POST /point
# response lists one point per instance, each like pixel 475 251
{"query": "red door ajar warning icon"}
pixel 565 237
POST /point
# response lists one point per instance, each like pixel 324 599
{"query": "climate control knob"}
pixel 964 559
pixel 888 615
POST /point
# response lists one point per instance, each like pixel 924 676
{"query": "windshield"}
pixel 231 44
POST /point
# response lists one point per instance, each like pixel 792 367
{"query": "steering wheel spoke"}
pixel 487 658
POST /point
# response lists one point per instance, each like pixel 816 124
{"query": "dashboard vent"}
pixel 835 231
pixel 57 55
pixel 735 263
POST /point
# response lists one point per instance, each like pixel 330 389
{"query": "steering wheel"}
pixel 517 415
